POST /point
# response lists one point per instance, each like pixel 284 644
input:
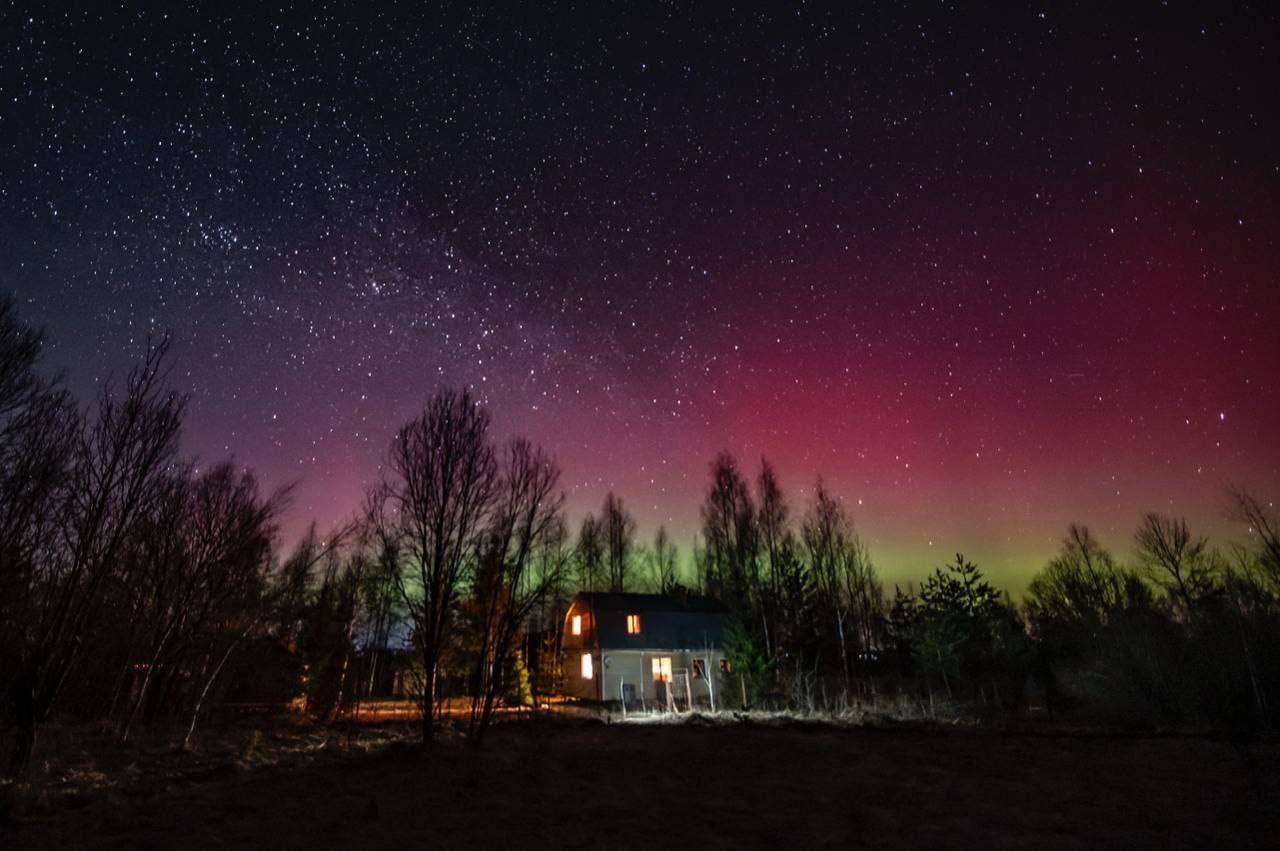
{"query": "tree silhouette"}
pixel 589 554
pixel 526 513
pixel 731 542
pixel 664 562
pixel 115 476
pixel 1182 564
pixel 619 532
pixel 433 504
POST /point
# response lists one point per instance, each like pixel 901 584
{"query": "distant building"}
pixel 644 650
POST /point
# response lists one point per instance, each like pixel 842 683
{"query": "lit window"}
pixel 633 624
pixel 662 669
pixel 587 671
pixel 577 624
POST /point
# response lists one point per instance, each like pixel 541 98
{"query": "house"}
pixel 644 650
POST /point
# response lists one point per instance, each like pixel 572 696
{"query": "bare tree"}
pixel 200 561
pixel 306 607
pixel 773 525
pixel 589 554
pixel 334 615
pixel 383 608
pixel 1082 584
pixel 845 578
pixel 233 534
pixel 732 563
pixel 116 474
pixel 1264 522
pixel 38 428
pixel 526 514
pixel 433 504
pixel 39 432
pixel 544 632
pixel 664 562
pixel 1180 563
pixel 619 529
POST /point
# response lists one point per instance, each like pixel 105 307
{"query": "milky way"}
pixel 985 274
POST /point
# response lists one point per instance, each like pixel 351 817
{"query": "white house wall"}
pixel 635 667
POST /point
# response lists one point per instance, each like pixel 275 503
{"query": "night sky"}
pixel 986 274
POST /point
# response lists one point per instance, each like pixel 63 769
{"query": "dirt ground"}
pixel 584 785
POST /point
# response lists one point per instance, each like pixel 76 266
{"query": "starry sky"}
pixel 986 273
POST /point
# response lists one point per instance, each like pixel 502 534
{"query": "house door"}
pixel 662 679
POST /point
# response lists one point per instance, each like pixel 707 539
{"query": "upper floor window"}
pixel 576 626
pixel 633 624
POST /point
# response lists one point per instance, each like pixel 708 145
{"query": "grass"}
pixel 696 780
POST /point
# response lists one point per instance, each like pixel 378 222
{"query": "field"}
pixel 582 784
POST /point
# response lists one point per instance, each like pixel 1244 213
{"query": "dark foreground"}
pixel 587 785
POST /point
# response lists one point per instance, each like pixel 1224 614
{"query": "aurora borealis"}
pixel 986 273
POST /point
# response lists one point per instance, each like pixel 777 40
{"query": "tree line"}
pixel 1180 635
pixel 139 587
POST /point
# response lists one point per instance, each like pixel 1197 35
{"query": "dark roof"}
pixel 667 622
pixel 616 601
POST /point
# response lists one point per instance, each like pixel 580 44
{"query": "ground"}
pixel 696 785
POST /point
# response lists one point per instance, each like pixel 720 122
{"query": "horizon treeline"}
pixel 139 588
